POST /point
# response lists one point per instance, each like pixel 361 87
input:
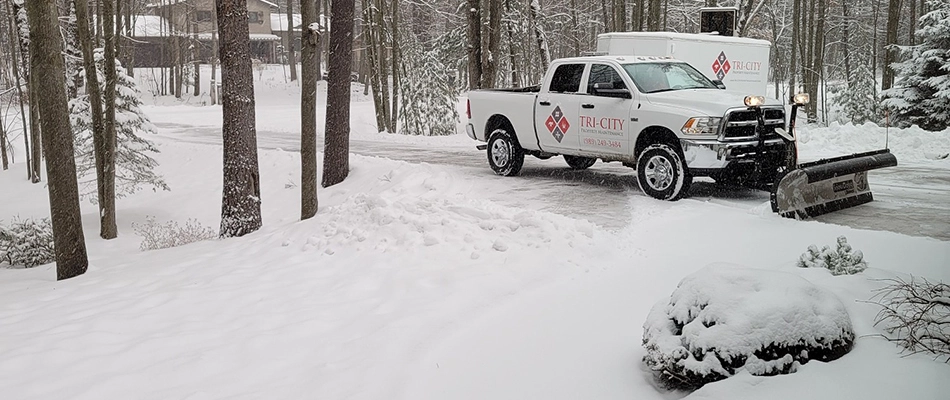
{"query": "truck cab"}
pixel 658 115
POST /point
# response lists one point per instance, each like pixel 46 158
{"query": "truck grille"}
pixel 740 123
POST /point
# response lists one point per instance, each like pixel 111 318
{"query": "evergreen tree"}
pixel 921 95
pixel 428 92
pixel 859 100
pixel 135 167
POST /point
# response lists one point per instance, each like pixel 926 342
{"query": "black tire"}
pixel 579 163
pixel 662 174
pixel 505 156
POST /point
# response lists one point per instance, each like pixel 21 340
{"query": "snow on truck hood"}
pixel 712 102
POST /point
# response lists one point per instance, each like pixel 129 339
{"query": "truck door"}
pixel 555 114
pixel 604 116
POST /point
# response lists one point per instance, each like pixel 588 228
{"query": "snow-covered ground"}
pixel 439 280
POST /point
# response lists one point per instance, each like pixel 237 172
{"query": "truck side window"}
pixel 567 78
pixel 600 73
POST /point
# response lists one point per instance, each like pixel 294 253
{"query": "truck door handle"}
pixel 587 105
pixel 544 103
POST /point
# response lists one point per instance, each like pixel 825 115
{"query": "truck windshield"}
pixel 666 76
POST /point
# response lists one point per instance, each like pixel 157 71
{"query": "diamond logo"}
pixel 721 65
pixel 557 124
pixel 564 125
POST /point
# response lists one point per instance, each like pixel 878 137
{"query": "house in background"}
pixel 191 19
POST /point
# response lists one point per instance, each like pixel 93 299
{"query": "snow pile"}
pixel 842 261
pixel 911 144
pixel 376 222
pixel 725 318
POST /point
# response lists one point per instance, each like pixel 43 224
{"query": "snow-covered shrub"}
pixel 916 315
pixel 842 261
pixel 725 318
pixel 162 236
pixel 27 243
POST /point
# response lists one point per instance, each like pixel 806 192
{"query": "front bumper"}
pixel 706 154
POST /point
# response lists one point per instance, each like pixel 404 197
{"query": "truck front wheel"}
pixel 662 174
pixel 505 156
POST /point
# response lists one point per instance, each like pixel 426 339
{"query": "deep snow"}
pixel 417 281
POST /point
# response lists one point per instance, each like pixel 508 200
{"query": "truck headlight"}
pixel 801 99
pixel 701 126
pixel 754 101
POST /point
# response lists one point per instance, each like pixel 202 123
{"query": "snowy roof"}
pixel 255 37
pixel 278 22
pixel 159 3
pixel 150 26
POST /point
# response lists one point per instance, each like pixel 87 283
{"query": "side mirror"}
pixel 719 84
pixel 607 89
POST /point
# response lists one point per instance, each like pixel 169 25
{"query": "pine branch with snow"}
pixel 135 167
pixel 921 95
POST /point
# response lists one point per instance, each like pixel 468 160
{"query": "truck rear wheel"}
pixel 662 174
pixel 579 163
pixel 505 156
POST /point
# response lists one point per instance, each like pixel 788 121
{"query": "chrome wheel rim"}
pixel 500 153
pixel 659 173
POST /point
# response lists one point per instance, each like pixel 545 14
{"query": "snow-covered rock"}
pixel 725 318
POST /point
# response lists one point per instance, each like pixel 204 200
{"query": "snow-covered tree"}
pixel 921 95
pixel 135 167
pixel 429 93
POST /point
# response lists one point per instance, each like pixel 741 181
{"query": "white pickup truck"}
pixel 655 114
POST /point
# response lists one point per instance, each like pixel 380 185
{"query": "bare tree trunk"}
pixel 3 145
pixel 474 46
pixel 372 47
pixel 512 52
pixel 241 194
pixel 291 57
pixel 99 138
pixel 336 162
pixel 620 16
pixel 912 23
pixel 491 39
pixel 605 12
pixel 796 35
pixel 46 60
pixel 196 59
pixel 534 15
pixel 35 129
pixel 308 109
pixel 653 21
pixel 394 117
pixel 319 40
pixel 35 150
pixel 106 186
pixel 890 42
pixel 17 76
pixel 575 39
pixel 383 64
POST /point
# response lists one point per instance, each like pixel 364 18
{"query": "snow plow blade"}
pixel 827 185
